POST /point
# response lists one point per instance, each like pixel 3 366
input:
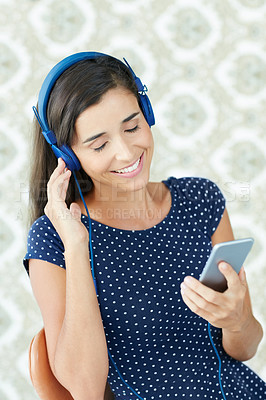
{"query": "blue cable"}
pixel 132 390
pixel 94 280
pixel 219 360
pixel 90 230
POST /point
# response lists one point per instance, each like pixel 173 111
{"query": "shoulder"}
pixel 189 182
pixel 198 199
pixel 41 223
pixel 43 228
pixel 193 188
pixel 199 196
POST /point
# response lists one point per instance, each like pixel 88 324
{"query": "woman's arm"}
pixel 230 310
pixel 240 341
pixel 71 344
pixel 242 337
pixel 74 331
pixel 82 330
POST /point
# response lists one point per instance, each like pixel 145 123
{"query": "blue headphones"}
pixel 65 151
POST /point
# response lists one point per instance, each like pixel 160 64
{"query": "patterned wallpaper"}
pixel 204 63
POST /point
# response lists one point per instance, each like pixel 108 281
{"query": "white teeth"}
pixel 129 169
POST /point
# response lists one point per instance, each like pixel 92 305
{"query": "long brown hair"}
pixel 80 86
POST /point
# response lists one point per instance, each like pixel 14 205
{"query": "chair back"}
pixel 43 380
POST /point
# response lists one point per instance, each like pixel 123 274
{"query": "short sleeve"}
pixel 202 200
pixel 214 202
pixel 44 243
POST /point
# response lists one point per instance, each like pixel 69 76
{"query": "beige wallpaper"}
pixel 204 63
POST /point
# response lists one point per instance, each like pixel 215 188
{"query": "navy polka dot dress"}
pixel 161 348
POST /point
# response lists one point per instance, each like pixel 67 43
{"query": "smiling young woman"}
pixel 111 138
pixel 139 318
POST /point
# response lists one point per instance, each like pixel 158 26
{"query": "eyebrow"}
pixel 90 139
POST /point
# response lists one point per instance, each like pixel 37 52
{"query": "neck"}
pixel 116 197
pixel 139 207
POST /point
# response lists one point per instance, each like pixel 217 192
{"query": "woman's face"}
pixel 114 143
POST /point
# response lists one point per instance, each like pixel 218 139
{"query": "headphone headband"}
pixel 52 77
pixel 45 92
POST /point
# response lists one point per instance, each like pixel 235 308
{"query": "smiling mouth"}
pixel 131 168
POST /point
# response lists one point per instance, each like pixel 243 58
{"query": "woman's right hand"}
pixel 67 221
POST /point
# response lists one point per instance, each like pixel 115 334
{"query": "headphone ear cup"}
pixel 72 156
pixel 147 109
pixel 68 156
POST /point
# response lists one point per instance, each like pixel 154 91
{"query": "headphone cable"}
pixel 219 360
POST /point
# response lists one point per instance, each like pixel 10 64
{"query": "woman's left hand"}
pixel 230 310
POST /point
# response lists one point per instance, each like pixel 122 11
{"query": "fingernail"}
pixel 188 280
pixel 183 287
pixel 223 265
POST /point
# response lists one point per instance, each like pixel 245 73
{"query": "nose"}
pixel 123 150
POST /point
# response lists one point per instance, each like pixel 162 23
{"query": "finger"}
pixel 63 188
pixel 56 189
pixel 207 293
pixel 58 170
pixel 201 304
pixel 242 276
pixel 229 274
pixel 75 211
pixel 194 308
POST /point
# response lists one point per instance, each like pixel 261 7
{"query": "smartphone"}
pixel 234 253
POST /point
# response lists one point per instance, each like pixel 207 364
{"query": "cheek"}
pixel 147 138
pixel 91 163
pixel 97 164
pixel 150 141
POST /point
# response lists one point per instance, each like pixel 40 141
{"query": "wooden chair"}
pixel 43 380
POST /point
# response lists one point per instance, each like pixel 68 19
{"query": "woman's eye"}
pixel 100 148
pixel 133 129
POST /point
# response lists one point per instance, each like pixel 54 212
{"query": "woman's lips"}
pixel 133 173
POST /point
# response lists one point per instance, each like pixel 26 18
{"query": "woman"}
pixel 141 322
